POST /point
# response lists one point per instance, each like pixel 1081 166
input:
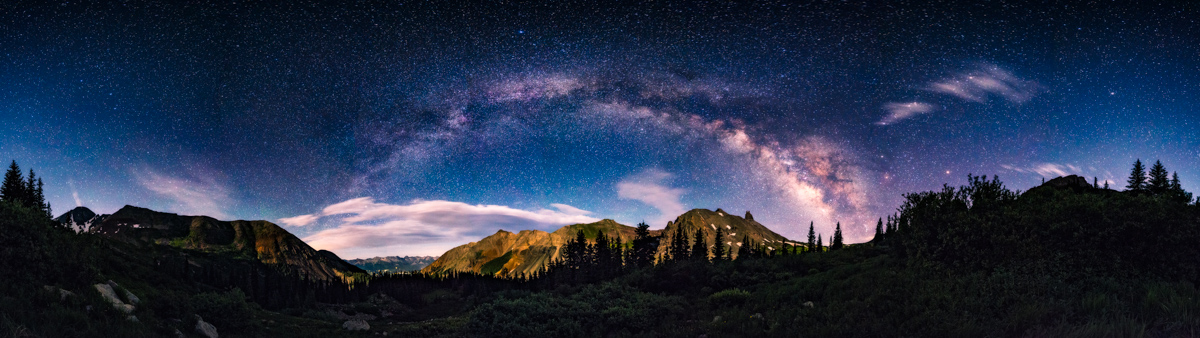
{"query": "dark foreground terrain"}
pixel 1061 260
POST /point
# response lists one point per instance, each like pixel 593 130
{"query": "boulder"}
pixel 204 328
pixel 808 304
pixel 62 294
pixel 109 295
pixel 356 325
pixel 132 298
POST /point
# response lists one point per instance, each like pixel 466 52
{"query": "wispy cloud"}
pixel 75 194
pixel 987 79
pixel 299 221
pixel 648 188
pixel 366 227
pixel 1047 169
pixel 195 195
pixel 899 111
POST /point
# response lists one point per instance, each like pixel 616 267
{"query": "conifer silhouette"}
pixel 1137 177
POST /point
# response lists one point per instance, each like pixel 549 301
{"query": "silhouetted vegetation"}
pixel 1063 259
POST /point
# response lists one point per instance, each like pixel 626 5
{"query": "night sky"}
pixel 407 128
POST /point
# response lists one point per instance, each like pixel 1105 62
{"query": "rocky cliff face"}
pixel 512 254
pixel 80 219
pixel 255 240
pixel 735 231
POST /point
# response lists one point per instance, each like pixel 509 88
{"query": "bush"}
pixel 228 310
pixel 732 297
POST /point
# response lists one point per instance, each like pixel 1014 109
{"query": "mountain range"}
pixel 512 254
pixel 260 241
pixel 392 264
pixel 504 253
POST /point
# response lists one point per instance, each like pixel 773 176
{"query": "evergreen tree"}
pixel 699 246
pixel 718 249
pixel 1137 177
pixel 577 251
pixel 820 246
pixel 836 243
pixel 746 250
pixel 1159 183
pixel 879 228
pixel 643 246
pixel 607 262
pixel 812 238
pixel 1095 182
pixel 34 197
pixel 679 248
pixel 13 189
pixel 1177 193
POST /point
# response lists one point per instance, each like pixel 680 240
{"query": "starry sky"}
pixel 407 128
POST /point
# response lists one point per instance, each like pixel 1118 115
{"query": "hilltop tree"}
pixel 1137 177
pixel 812 238
pixel 699 246
pixel 34 197
pixel 836 242
pixel 1159 183
pixel 24 191
pixel 879 228
pixel 13 189
pixel 718 248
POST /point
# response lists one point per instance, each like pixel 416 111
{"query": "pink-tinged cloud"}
pixel 900 111
pixel 648 188
pixel 987 79
pixel 368 227
pixel 1050 170
pixel 198 195
pixel 299 221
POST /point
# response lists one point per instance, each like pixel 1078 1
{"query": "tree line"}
pixel 1150 227
pixel 24 191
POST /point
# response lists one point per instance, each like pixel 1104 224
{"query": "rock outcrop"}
pixel 511 254
pixel 734 230
pixel 110 295
pixel 205 329
pixel 356 325
pixel 260 240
